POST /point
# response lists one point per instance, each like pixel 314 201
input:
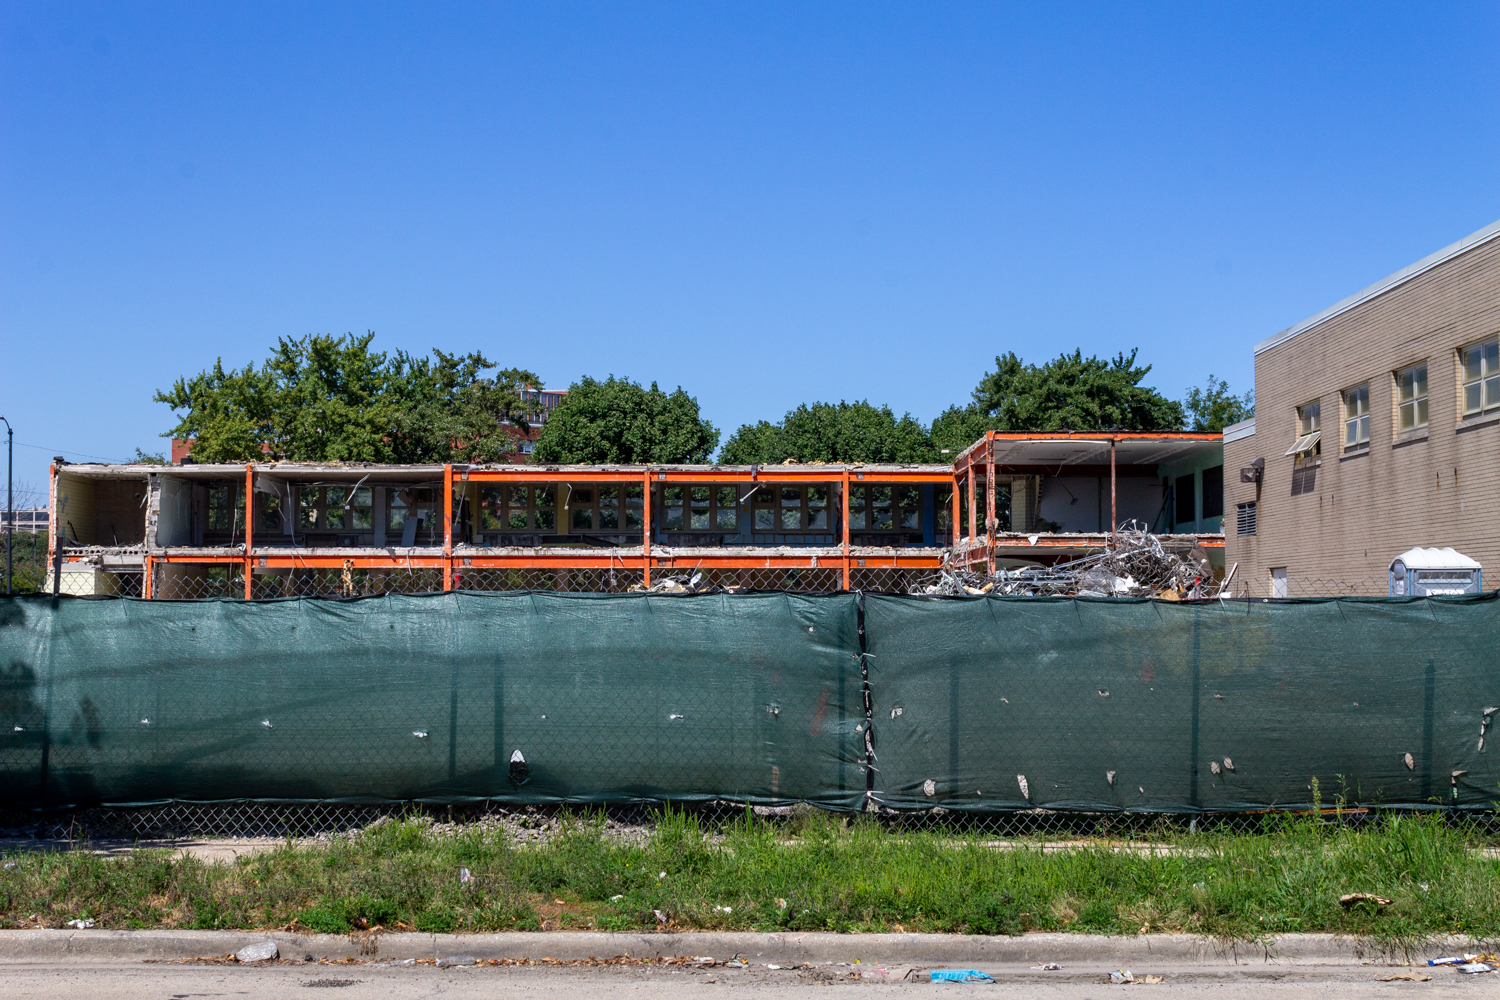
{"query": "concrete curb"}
pixel 104 946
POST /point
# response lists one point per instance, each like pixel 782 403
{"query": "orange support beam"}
pixel 956 502
pixel 973 521
pixel 991 522
pixel 448 527
pixel 249 522
pixel 846 529
pixel 646 531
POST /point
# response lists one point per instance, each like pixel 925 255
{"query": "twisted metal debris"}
pixel 1134 564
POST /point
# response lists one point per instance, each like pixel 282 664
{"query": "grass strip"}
pixel 827 874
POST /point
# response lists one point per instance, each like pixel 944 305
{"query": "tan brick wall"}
pixel 1370 506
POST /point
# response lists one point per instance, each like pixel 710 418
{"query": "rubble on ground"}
pixel 1133 564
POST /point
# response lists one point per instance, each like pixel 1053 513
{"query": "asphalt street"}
pixel 279 981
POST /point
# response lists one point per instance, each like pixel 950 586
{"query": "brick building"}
pixel 1377 429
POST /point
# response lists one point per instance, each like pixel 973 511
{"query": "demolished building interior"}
pixel 1010 501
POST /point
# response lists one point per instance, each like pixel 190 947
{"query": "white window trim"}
pixel 1364 443
pixel 1305 444
pixel 1464 381
pixel 1415 399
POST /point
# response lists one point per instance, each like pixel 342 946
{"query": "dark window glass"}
pixel 1304 479
pixel 1185 506
pixel 1213 492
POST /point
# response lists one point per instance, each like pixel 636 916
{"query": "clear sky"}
pixel 766 203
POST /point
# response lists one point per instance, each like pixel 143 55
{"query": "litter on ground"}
pixel 961 976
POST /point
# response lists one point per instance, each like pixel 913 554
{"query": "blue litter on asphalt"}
pixel 961 976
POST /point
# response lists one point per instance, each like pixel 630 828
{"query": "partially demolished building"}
pixel 270 530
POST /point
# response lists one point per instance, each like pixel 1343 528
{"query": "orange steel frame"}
pixel 453 564
pixel 980 546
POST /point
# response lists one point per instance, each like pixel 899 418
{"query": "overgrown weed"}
pixel 817 872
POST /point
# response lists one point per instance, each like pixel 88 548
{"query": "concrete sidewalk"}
pixel 1287 951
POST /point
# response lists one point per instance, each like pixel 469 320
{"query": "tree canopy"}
pixel 323 398
pixel 1070 392
pixel 616 421
pixel 1214 407
pixel 829 432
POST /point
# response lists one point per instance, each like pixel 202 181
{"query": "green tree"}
pixel 616 421
pixel 1070 392
pixel 957 427
pixel 829 432
pixel 333 399
pixel 1214 407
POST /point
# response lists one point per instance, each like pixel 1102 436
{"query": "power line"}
pixel 64 451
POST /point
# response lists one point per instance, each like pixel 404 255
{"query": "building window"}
pixel 1185 508
pixel 608 507
pixel 944 513
pixel 1307 449
pixel 1481 376
pixel 418 503
pixel 1244 518
pixel 701 508
pixel 1411 393
pixel 1213 492
pixel 1357 418
pixel 335 508
pixel 791 508
pixel 1002 507
pixel 517 508
pixel 270 513
pixel 226 507
pixel 885 508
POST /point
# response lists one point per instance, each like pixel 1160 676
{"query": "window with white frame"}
pixel 1357 418
pixel 1481 376
pixel 1411 398
pixel 1305 451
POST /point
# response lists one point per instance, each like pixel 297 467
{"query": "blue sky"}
pixel 765 203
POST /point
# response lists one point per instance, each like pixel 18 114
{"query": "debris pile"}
pixel 1134 564
pixel 695 583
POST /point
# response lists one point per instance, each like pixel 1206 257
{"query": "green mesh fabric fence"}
pixel 976 704
pixel 523 697
pixel 1155 706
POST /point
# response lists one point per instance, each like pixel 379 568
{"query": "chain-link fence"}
pixel 612 580
pixel 301 820
pixel 198 581
pixel 1298 587
pixel 87 580
pixel 1294 587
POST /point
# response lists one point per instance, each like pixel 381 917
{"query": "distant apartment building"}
pixel 31 519
pixel 1377 429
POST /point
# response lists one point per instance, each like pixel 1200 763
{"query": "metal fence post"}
pixel 1429 699
pixel 10 504
pixel 1193 774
